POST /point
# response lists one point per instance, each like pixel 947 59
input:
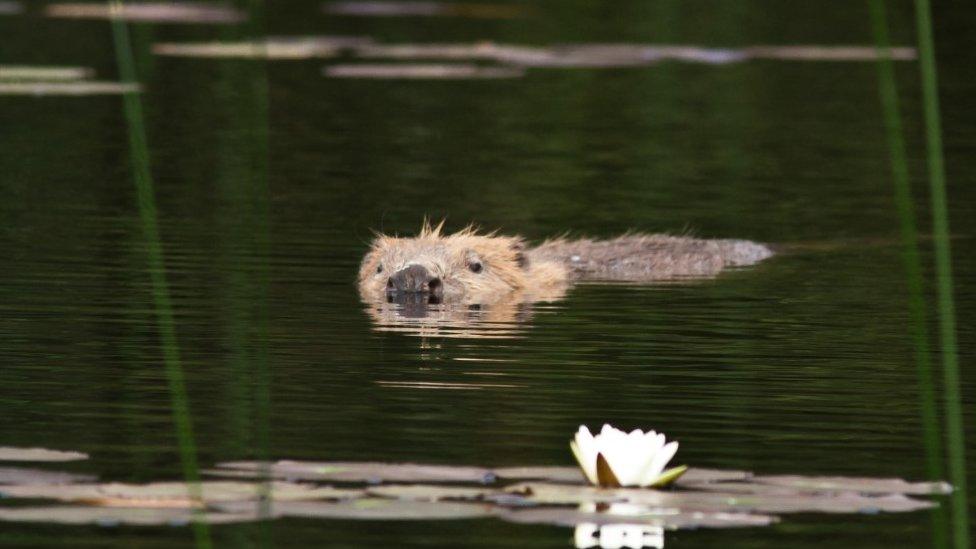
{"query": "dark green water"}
pixel 801 365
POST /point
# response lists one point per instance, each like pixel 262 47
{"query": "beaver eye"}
pixel 475 266
pixel 379 269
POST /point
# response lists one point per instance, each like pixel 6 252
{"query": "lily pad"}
pixel 487 51
pixel 699 475
pixel 117 516
pixel 22 475
pixel 300 47
pixel 572 475
pixel 421 71
pixel 593 55
pixel 372 472
pixel 35 73
pixel 373 509
pixel 417 473
pixel 597 55
pixel 151 12
pixel 860 485
pixel 827 53
pixel 11 8
pixel 174 494
pixel 375 8
pixel 666 518
pixel 67 88
pixel 846 502
pixel 550 473
pixel 430 492
pixel 8 453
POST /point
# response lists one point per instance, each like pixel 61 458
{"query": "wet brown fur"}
pixel 512 270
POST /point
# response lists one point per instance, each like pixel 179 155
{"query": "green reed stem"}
pixel 139 151
pixel 943 271
pixel 912 262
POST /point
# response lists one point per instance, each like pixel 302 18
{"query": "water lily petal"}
pixel 623 454
pixel 588 470
pixel 585 449
pixel 613 456
pixel 658 463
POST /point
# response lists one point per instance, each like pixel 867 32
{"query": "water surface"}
pixel 801 365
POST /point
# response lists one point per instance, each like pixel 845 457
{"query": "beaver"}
pixel 472 268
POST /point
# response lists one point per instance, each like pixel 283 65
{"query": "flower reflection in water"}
pixel 621 535
pixel 618 536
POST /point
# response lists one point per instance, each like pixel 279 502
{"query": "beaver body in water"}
pixel 470 268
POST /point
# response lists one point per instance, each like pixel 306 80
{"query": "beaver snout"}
pixel 414 279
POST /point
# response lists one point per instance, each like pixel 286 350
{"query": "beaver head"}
pixel 464 267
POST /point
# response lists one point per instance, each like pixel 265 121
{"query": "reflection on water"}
pixel 799 366
pixel 618 536
pixel 621 535
pixel 505 319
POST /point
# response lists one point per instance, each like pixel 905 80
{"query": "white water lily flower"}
pixel 615 458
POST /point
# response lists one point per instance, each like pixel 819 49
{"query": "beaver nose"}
pixel 413 279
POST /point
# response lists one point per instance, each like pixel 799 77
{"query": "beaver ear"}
pixel 520 258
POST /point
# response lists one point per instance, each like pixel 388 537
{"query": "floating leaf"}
pixel 421 72
pixel 11 8
pixel 429 492
pixel 740 488
pixel 488 51
pixel 150 12
pixel 21 475
pixel 666 518
pixel 373 509
pixel 618 55
pixel 116 516
pixel 851 484
pixel 594 55
pixel 174 494
pixel 35 73
pixel 574 476
pixel 409 472
pixel 550 473
pixel 8 453
pixel 366 8
pixel 338 471
pixel 67 88
pixel 301 47
pixel 697 475
pixel 246 50
pixel 848 502
pixel 827 53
